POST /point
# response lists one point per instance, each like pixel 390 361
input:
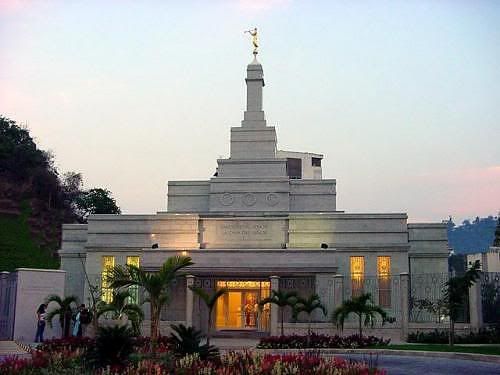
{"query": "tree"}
pixel 496 241
pixel 96 201
pixel 210 300
pixel 472 236
pixel 362 306
pixel 456 289
pixel 65 311
pixel 282 299
pixel 119 307
pixel 18 151
pixel 457 263
pixel 155 284
pixel 308 306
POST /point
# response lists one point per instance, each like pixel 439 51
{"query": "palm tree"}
pixel 155 284
pixel 119 307
pixel 282 299
pixel 456 288
pixel 210 300
pixel 361 305
pixel 308 305
pixel 64 310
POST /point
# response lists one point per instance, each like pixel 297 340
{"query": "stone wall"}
pixel 23 291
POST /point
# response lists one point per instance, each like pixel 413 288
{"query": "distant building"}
pixel 490 260
pixel 302 165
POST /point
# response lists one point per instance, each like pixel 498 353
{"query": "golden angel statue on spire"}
pixel 255 39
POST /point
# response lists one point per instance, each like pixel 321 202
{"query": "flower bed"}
pixel 320 341
pixel 68 357
pixel 252 363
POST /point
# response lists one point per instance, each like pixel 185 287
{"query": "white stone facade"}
pixel 252 221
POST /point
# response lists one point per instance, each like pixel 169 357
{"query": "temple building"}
pixel 266 220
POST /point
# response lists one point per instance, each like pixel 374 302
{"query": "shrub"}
pixel 187 340
pixel 320 341
pixel 112 347
pixel 483 336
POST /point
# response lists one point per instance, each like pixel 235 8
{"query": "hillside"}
pixel 35 200
pixel 472 236
pixel 19 247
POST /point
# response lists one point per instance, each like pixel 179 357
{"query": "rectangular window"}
pixel 384 281
pixel 357 275
pixel 108 262
pixel 134 289
pixel 294 168
pixel 316 162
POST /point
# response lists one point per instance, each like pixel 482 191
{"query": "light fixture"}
pixel 184 253
pixel 154 246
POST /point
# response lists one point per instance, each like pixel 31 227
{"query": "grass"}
pixel 486 349
pixel 17 247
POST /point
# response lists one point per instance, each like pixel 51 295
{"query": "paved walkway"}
pixel 395 365
pixel 398 365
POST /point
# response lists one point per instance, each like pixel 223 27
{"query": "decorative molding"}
pixel 272 199
pixel 226 199
pixel 249 199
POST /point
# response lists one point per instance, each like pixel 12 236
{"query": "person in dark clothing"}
pixel 41 312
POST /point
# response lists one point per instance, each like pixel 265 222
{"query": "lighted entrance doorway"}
pixel 239 309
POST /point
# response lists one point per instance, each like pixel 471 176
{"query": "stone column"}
pixel 325 291
pixel 189 300
pixel 404 282
pixel 275 285
pixel 338 291
pixel 475 306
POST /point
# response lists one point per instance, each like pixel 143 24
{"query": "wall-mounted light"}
pixel 184 253
pixel 154 246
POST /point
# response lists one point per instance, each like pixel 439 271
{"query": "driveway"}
pixel 399 365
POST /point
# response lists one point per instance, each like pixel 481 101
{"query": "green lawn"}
pixel 489 349
pixel 17 248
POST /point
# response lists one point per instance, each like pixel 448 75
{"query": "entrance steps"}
pixel 11 348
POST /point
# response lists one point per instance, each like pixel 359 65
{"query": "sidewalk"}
pixel 11 348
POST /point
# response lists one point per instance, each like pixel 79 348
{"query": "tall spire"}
pixel 254 114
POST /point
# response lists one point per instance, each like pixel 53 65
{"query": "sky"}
pixel 401 97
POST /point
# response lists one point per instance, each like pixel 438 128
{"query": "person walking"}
pixel 40 325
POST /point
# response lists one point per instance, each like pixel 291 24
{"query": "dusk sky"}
pixel 401 97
